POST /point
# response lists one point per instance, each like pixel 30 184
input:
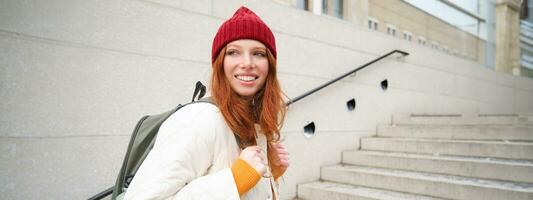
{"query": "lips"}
pixel 246 78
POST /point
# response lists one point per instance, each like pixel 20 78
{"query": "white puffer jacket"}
pixel 191 160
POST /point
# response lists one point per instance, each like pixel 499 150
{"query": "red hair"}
pixel 268 109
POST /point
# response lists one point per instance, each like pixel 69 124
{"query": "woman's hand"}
pixel 252 155
pixel 282 158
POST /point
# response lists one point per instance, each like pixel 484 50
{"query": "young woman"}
pixel 230 150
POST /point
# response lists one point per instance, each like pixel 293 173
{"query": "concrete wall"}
pixel 76 75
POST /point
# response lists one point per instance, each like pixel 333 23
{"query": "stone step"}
pixel 475 132
pixel 321 190
pixel 436 185
pixel 497 149
pixel 461 119
pixel 476 167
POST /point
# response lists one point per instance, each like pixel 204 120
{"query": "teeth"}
pixel 246 78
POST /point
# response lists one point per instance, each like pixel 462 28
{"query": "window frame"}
pixel 422 40
pixel 372 23
pixel 391 30
pixel 407 35
pixel 434 45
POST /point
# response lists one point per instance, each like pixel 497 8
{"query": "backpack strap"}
pixel 199 90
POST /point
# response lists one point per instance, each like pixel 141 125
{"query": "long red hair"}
pixel 268 109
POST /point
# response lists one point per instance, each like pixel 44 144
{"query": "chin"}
pixel 246 93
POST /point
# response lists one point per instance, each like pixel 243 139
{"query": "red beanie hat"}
pixel 244 24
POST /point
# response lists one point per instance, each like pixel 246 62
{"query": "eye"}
pixel 260 54
pixel 231 52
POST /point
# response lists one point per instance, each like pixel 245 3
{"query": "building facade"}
pixel 466 31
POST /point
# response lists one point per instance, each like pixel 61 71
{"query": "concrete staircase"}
pixel 435 157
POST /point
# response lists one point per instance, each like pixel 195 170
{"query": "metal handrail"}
pixel 110 190
pixel 343 76
pixel 103 194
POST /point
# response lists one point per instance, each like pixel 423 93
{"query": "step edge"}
pixel 426 177
pixel 445 157
pixel 389 193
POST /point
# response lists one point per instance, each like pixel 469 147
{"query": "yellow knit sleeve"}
pixel 245 176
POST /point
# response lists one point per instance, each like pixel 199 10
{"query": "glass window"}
pixel 407 35
pixel 303 4
pixel 372 24
pixel 422 41
pixel 325 6
pixel 391 30
pixel 435 45
pixel 446 49
pixel 337 8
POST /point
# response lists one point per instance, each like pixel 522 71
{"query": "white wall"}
pixel 75 76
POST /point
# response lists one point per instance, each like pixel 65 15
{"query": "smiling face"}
pixel 246 66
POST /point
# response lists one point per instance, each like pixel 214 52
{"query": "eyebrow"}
pixel 237 46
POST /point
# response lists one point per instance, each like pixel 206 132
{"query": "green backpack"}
pixel 143 139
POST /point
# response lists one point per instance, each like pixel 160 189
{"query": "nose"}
pixel 247 61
